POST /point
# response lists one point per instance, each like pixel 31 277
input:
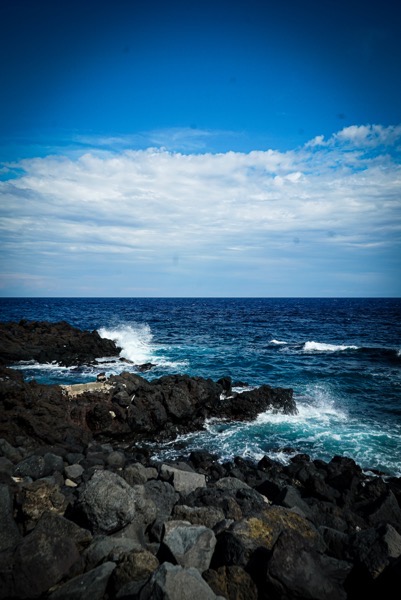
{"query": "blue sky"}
pixel 156 148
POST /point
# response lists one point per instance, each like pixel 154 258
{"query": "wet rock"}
pixel 47 342
pixel 88 586
pixel 188 545
pixel 248 405
pixel 146 367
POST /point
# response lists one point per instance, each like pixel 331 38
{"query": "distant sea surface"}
pixel 342 357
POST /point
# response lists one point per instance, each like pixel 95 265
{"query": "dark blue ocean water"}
pixel 342 357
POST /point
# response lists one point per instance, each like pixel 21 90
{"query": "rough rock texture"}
pixel 108 502
pixel 188 545
pixel 173 582
pixel 89 586
pixel 48 342
pixel 160 409
pixel 86 512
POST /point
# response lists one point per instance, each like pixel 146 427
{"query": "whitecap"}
pixel 278 342
pixel 320 347
pixel 134 340
pixel 33 364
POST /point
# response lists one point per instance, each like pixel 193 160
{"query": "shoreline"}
pixel 86 512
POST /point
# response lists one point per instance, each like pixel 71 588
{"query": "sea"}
pixel 341 356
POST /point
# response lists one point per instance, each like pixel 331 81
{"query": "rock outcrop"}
pixel 87 514
pixel 137 532
pixel 47 342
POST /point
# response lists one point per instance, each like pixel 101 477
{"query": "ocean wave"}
pixel 320 347
pixel 277 342
pixel 137 346
pixel 27 365
pixel 134 340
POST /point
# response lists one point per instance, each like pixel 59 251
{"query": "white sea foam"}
pixel 136 343
pixel 33 364
pixel 278 342
pixel 319 347
pixel 134 340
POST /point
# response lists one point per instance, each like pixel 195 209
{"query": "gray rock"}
pixel 115 459
pixel 8 451
pixel 109 502
pixel 73 472
pixel 231 483
pixel 146 511
pixel 189 545
pixel 89 586
pixel 9 533
pixel 290 497
pixel 184 482
pixel 135 474
pixel 163 495
pixel 102 548
pixel 32 466
pixel 173 582
pixel 53 463
pixel 74 457
pixel 199 515
pixel 151 473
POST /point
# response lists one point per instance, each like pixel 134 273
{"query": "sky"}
pixel 171 148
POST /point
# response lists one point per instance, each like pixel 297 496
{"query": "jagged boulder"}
pixel 109 503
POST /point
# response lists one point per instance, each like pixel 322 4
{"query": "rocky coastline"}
pixel 86 513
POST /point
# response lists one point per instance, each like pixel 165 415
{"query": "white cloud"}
pixel 147 206
pixel 360 136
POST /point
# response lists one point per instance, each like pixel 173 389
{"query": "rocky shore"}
pixel 86 513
